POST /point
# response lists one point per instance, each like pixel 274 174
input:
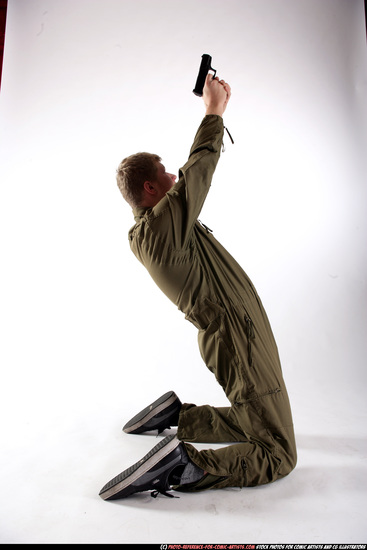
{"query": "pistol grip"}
pixel 205 67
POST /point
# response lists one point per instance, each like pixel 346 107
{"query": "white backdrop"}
pixel 86 337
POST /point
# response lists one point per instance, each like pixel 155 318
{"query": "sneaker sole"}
pixel 120 483
pixel 146 414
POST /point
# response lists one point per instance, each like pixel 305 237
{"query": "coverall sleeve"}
pixel 178 211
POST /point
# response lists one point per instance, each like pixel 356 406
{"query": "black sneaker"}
pixel 160 415
pixel 155 472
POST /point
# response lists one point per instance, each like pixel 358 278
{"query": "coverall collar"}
pixel 139 212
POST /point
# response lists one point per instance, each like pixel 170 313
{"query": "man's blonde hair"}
pixel 131 174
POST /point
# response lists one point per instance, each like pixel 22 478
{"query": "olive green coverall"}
pixel 235 338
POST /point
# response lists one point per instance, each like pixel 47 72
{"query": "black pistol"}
pixel 205 67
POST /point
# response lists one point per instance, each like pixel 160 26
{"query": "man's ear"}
pixel 149 188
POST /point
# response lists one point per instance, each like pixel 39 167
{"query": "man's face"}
pixel 164 180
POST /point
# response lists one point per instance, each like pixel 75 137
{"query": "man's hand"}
pixel 216 94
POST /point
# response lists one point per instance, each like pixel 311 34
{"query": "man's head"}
pixel 143 180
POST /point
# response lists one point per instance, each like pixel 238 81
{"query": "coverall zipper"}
pixel 250 336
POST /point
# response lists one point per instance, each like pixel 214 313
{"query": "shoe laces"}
pixel 161 489
pixel 155 493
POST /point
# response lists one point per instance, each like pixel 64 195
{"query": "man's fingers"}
pixel 209 78
pixel 225 84
pixel 216 92
pixel 227 88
